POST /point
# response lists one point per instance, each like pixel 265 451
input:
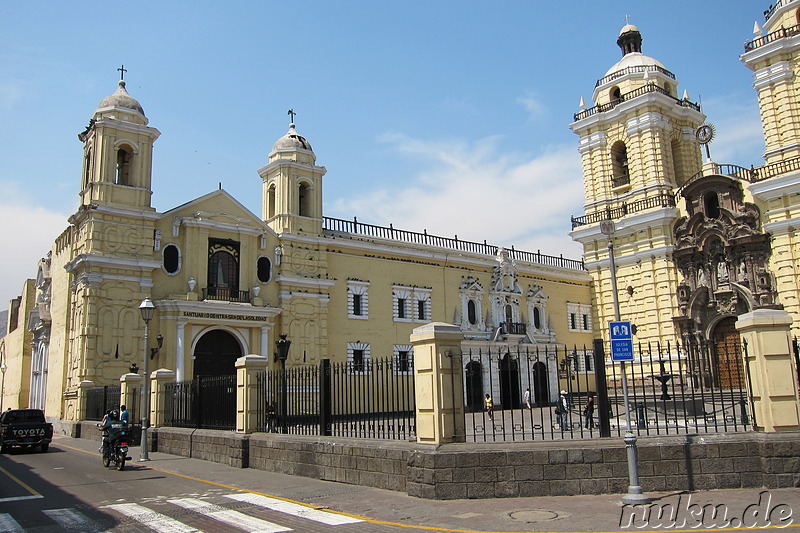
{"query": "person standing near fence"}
pixel 488 405
pixel 588 412
pixel 527 398
pixel 124 416
pixel 562 411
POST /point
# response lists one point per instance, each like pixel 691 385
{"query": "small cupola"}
pixel 630 40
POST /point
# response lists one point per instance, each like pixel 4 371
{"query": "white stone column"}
pixel 179 352
pixel 265 341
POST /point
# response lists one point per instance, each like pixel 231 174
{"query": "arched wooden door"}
pixel 216 354
pixel 727 355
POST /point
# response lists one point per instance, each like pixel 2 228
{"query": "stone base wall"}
pixel 717 461
pixel 381 464
pixel 464 470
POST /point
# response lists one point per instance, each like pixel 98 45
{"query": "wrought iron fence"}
pixel 101 399
pixel 206 402
pixel 373 398
pixel 673 389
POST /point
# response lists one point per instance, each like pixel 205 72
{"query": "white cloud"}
pixel 740 138
pixel 29 235
pixel 532 105
pixel 475 191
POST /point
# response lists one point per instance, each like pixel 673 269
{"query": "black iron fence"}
pixel 673 389
pixel 371 398
pixel 101 399
pixel 205 402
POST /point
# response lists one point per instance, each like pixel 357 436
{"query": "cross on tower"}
pixel 291 113
pixel 627 19
pixel 122 70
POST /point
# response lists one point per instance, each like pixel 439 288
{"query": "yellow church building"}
pixel 695 243
pixel 227 282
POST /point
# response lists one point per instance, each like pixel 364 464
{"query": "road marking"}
pixel 72 520
pixel 19 482
pixel 294 509
pixel 156 521
pixel 8 524
pixel 233 518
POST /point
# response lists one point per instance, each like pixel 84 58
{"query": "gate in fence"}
pixel 205 402
pixel 674 389
pixel 372 398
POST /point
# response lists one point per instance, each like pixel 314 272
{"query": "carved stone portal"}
pixel 722 255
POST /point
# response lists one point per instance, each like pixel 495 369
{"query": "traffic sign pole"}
pixel 635 495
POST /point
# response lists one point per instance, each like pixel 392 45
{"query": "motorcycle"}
pixel 115 446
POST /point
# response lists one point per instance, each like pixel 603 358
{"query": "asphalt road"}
pixel 68 489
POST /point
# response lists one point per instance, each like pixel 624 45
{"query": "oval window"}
pixel 472 315
pixel 172 259
pixel 264 269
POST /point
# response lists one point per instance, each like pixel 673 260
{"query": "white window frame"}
pixel 579 311
pixel 362 289
pixel 402 293
pixel 352 347
pixel 422 295
pixel 409 349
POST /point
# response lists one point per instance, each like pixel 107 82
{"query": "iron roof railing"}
pixel 354 227
pixel 645 89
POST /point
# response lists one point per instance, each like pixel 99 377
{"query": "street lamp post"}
pixel 148 310
pixel 282 354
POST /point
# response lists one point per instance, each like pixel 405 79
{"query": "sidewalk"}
pixel 553 514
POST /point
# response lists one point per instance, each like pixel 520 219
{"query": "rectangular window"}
pixel 401 308
pixel 403 363
pixel 421 310
pixel 579 317
pixel 358 299
pixel 403 359
pixel 358 361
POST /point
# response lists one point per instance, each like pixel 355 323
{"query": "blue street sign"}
pixel 621 341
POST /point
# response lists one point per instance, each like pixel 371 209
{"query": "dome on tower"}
pixel 120 99
pixel 630 43
pixel 292 141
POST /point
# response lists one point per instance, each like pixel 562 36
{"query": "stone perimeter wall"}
pixel 454 471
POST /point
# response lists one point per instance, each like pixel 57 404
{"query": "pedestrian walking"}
pixel 489 407
pixel 527 398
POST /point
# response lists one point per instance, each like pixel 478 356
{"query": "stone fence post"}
pixel 438 383
pixel 127 397
pixel 770 369
pixel 247 370
pixel 83 391
pixel 158 398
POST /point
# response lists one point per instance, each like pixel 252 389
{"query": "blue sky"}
pixel 449 116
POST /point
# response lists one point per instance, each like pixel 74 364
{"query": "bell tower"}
pixel 117 153
pixel 292 186
pixel 774 57
pixel 637 145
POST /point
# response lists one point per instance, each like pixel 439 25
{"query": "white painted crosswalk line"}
pixel 325 517
pixel 72 520
pixel 8 524
pixel 155 521
pixel 234 518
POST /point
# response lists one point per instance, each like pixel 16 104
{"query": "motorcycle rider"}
pixel 112 429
